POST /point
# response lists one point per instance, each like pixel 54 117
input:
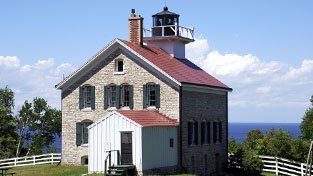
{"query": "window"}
pixel 119 65
pixel 113 96
pixel 203 132
pixel 87 97
pixel 151 95
pixel 190 133
pixel 171 142
pixel 84 160
pixel 195 124
pixel 82 132
pixel 118 96
pixel 220 134
pixel 151 90
pixel 193 133
pixel 125 94
pixel 208 128
pixel 214 132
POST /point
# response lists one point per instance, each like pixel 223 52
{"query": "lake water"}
pixel 239 130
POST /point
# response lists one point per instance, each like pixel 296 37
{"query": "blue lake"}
pixel 240 130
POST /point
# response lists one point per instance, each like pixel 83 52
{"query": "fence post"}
pixel 302 174
pixel 34 158
pixel 276 166
pixel 15 160
pixel 51 158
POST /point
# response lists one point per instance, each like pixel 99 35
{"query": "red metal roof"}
pixel 182 70
pixel 147 118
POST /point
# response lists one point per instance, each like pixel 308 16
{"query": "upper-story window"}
pixel 87 97
pixel 126 95
pixel 151 95
pixel 217 132
pixel 192 133
pixel 82 132
pixel 118 96
pixel 111 94
pixel 119 65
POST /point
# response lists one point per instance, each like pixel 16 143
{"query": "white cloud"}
pixel 9 62
pixel 257 83
pixel 263 90
pixel 33 80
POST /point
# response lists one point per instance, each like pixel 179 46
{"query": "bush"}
pixel 252 164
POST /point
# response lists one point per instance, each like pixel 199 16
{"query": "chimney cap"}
pixel 133 11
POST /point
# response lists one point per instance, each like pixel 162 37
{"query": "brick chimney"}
pixel 135 28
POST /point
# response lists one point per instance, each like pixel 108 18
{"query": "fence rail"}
pixel 49 158
pixel 281 166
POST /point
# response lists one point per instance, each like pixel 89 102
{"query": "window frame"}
pixel 112 103
pixel 117 66
pixel 215 132
pixel 125 92
pixel 149 100
pixel 193 133
pixel 87 94
pixel 203 132
pixel 84 131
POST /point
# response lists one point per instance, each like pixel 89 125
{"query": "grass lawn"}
pixel 50 170
pixel 54 170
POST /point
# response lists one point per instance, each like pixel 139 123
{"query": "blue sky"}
pixel 263 49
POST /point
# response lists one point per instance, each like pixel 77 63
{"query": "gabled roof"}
pixel 178 71
pixel 148 118
pixel 182 70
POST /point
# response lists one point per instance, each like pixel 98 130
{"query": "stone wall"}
pixel 134 74
pixel 198 106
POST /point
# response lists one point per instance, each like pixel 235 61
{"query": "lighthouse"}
pixel 167 34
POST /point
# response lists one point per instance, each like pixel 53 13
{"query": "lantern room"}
pixel 164 23
pixel 166 33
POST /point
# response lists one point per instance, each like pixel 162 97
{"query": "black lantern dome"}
pixel 164 18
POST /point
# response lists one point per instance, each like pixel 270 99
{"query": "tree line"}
pixel 30 130
pixel 244 156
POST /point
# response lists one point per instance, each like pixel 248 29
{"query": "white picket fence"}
pixel 281 166
pixel 49 158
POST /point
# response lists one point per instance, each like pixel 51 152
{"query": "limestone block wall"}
pixel 204 159
pixel 134 74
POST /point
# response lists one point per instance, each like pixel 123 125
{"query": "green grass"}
pixel 54 170
pixel 50 170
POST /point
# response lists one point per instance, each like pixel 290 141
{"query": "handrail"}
pixel 169 30
pixel 108 157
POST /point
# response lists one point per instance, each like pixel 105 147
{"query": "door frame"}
pixel 132 141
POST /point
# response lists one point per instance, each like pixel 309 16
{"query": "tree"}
pixel 307 123
pixel 252 164
pixel 278 143
pixel 254 141
pixel 8 134
pixel 38 126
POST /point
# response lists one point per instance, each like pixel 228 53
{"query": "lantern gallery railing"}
pixel 169 30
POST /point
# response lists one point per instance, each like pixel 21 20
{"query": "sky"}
pixel 262 49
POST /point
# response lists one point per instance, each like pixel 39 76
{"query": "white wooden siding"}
pixel 156 150
pixel 105 134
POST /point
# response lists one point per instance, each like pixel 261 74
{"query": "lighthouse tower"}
pixel 166 33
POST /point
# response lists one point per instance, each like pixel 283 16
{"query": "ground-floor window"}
pixel 82 132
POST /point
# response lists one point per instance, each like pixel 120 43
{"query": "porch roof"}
pixel 148 118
